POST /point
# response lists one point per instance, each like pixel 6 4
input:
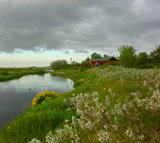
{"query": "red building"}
pixel 101 61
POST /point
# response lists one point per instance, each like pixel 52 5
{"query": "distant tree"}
pixel 87 59
pixel 156 53
pixel 75 64
pixel 142 58
pixel 59 64
pixel 127 55
pixel 106 56
pixel 95 55
pixel 85 65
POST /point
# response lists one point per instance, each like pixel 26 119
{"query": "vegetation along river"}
pixel 16 95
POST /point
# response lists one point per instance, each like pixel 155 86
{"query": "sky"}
pixel 37 32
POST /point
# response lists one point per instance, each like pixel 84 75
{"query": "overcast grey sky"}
pixel 78 25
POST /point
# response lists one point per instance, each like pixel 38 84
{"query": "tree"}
pixel 95 55
pixel 106 56
pixel 156 53
pixel 59 64
pixel 142 58
pixel 87 59
pixel 127 55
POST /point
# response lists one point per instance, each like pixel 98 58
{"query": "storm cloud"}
pixel 79 25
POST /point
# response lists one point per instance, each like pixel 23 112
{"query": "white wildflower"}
pixel 34 141
pixel 104 137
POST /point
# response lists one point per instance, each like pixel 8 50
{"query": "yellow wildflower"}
pixel 81 80
pixel 42 96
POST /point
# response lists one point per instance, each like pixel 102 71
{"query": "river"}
pixel 16 95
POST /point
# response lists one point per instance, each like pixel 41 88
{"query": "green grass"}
pixel 37 122
pixel 15 73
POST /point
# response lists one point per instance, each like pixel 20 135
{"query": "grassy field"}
pixel 125 108
pixel 14 73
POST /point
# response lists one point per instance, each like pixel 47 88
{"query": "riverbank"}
pixel 15 73
pixel 38 121
pixel 121 85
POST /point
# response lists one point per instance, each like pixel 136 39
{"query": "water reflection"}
pixel 16 95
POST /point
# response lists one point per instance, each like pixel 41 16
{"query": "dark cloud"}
pixel 80 25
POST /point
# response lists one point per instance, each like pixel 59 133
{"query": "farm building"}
pixel 101 61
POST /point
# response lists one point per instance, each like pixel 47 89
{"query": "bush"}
pixel 42 96
pixel 156 54
pixel 142 59
pixel 95 55
pixel 86 64
pixel 59 64
pixel 127 55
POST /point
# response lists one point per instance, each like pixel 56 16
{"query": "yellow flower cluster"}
pixel 34 101
pixel 81 80
pixel 42 96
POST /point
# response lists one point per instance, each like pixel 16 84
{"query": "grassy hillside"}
pixel 108 104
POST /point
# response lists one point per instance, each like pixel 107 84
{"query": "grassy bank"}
pixel 121 85
pixel 38 121
pixel 15 73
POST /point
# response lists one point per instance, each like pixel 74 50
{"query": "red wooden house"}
pixel 101 61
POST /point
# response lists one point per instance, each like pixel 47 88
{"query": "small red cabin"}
pixel 101 61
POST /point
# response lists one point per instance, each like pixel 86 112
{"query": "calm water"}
pixel 17 95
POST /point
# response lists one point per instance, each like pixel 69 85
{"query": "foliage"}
pixel 142 58
pixel 95 56
pixel 127 55
pixel 59 64
pixel 96 118
pixel 106 56
pixel 85 66
pixel 156 53
pixel 75 64
pixel 42 96
pixel 87 59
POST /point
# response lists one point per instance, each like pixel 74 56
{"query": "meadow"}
pixel 15 73
pixel 108 104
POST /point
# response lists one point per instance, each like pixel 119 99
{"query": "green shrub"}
pixel 59 64
pixel 127 55
pixel 95 55
pixel 156 54
pixel 141 60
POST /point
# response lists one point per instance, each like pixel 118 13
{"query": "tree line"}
pixel 127 56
